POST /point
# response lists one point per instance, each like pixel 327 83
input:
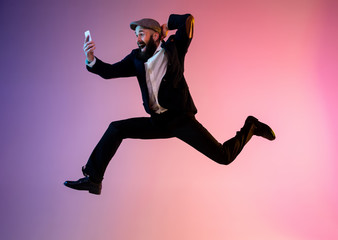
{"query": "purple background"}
pixel 276 60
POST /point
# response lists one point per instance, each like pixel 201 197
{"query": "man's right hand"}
pixel 164 31
pixel 88 48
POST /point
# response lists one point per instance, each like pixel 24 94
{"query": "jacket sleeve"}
pixel 185 28
pixel 123 68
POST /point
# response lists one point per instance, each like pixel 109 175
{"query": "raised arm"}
pixel 185 28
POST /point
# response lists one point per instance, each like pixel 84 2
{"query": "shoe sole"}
pixel 90 190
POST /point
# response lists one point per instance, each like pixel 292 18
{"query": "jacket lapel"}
pixel 141 77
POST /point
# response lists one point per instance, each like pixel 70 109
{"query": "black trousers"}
pixel 160 126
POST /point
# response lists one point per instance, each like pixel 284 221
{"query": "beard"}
pixel 150 50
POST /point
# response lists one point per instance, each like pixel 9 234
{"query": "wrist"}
pixel 90 63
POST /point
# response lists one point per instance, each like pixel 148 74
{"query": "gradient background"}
pixel 276 60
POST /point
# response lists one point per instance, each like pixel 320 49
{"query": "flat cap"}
pixel 146 23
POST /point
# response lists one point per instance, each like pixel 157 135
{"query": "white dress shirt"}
pixel 156 67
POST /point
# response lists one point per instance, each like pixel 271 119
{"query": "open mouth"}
pixel 142 46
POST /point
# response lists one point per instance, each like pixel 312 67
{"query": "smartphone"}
pixel 88 36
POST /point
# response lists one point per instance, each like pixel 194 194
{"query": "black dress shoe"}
pixel 85 184
pixel 261 129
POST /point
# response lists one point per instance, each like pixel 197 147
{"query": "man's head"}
pixel 148 34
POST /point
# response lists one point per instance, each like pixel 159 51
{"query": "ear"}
pixel 156 36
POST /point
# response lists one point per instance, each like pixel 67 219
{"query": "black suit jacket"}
pixel 174 93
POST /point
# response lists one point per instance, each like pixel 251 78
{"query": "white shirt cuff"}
pixel 91 64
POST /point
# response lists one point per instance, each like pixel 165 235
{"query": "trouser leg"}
pixel 235 145
pixel 194 134
pixel 102 153
pixel 139 128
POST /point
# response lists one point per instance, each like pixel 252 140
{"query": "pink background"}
pixel 276 60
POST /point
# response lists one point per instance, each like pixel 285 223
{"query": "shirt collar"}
pixel 159 48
